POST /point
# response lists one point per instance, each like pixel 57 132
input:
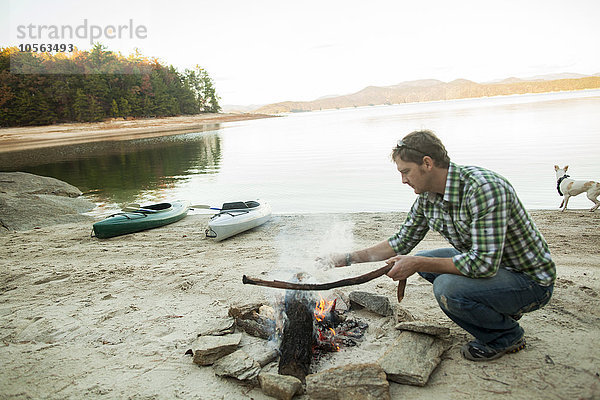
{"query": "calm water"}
pixel 337 161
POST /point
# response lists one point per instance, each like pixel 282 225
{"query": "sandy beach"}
pixel 32 137
pixel 113 319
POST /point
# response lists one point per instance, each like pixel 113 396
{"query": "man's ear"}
pixel 428 162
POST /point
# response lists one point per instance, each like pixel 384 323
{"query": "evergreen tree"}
pixel 124 108
pixel 210 94
pixel 96 111
pixel 115 109
pixel 81 106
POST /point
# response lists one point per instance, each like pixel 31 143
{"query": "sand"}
pixel 33 137
pixel 87 318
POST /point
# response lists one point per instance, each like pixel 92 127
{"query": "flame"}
pixel 321 312
pixel 322 308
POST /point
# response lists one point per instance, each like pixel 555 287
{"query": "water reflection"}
pixel 116 172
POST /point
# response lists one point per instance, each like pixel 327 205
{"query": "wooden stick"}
pixel 401 287
pixel 319 286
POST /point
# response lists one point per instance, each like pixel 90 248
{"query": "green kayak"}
pixel 146 217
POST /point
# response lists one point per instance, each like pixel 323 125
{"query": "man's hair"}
pixel 418 144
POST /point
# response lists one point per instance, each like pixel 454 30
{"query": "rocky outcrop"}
pixel 29 201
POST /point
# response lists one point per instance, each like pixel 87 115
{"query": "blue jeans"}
pixel 487 308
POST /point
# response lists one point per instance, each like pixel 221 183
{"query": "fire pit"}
pixel 308 331
pixel 313 327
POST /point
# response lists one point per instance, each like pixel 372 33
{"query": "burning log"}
pixel 298 337
pixel 331 285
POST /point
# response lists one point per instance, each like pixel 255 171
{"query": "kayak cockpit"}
pixel 239 205
pixel 157 207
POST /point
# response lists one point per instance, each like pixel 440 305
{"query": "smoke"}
pixel 305 253
pixel 299 246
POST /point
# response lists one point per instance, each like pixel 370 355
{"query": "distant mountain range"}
pixel 434 90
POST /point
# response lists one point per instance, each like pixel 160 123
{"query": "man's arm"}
pixel 379 252
pixel 405 266
pixel 411 233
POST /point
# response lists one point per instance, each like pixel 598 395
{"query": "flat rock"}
pixel 373 302
pixel 222 326
pixel 412 358
pixel 424 327
pixel 282 387
pixel 354 381
pixel 260 351
pixel 208 349
pixel 237 365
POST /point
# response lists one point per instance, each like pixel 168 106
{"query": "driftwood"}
pixel 331 285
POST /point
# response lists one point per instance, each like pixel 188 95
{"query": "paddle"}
pixel 136 207
pixel 205 206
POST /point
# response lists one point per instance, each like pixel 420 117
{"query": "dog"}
pixel 568 187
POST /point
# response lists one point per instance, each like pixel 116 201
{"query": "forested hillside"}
pixel 432 90
pixel 86 86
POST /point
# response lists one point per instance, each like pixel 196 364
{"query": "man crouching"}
pixel 499 266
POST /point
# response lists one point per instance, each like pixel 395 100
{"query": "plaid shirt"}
pixel 482 217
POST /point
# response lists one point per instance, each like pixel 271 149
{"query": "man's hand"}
pixel 404 266
pixel 332 260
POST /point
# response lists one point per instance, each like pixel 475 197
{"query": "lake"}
pixel 337 160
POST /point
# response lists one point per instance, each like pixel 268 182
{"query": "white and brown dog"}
pixel 570 187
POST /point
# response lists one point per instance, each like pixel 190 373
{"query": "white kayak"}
pixel 237 217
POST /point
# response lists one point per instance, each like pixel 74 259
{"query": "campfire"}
pixel 313 328
pixel 306 328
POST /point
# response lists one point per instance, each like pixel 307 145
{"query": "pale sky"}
pixel 266 51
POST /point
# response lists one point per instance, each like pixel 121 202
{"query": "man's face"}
pixel 414 175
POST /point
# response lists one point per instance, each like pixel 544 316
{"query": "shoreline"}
pixel 113 318
pixel 35 137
